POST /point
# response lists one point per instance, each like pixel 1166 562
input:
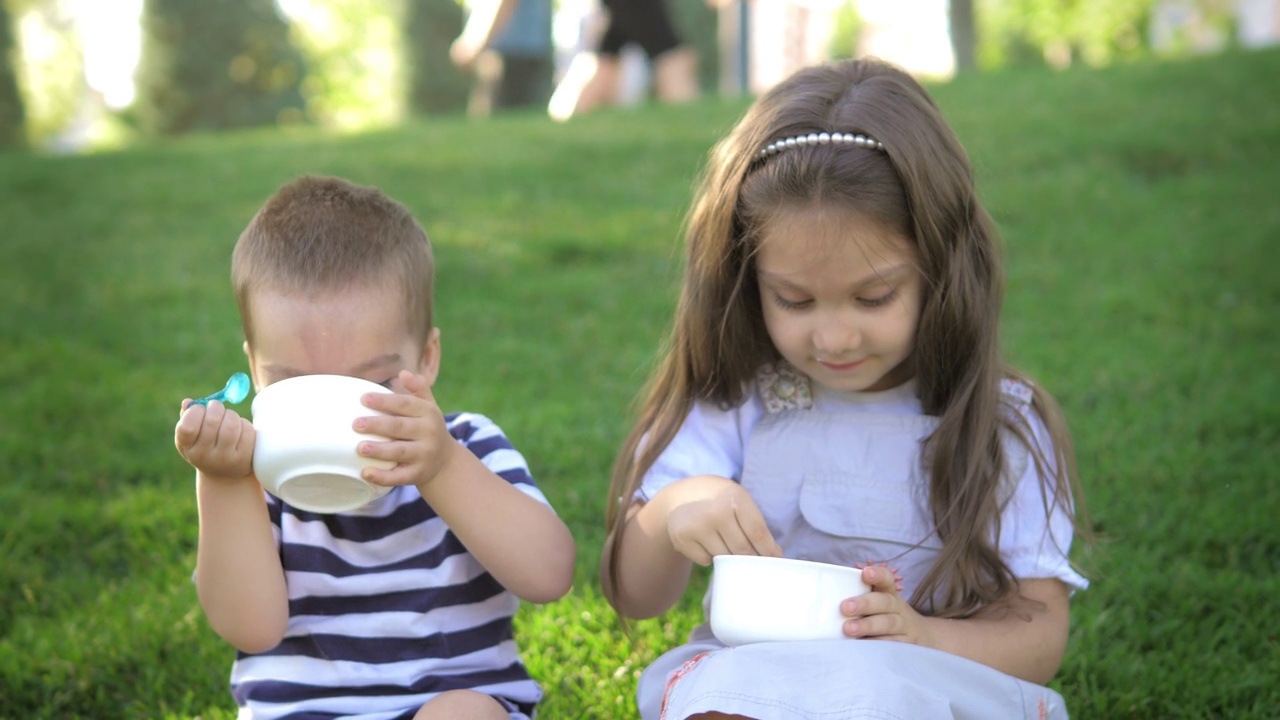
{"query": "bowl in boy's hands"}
pixel 306 448
pixel 769 599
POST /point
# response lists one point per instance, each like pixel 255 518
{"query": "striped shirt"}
pixel 387 608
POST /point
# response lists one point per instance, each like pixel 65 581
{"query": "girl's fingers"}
pixel 880 579
pixel 755 531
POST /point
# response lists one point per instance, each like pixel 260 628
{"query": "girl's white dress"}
pixel 839 479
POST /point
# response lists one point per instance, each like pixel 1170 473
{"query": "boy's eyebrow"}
pixel 284 371
pixel 889 273
pixel 381 360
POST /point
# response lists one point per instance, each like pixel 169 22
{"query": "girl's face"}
pixel 841 297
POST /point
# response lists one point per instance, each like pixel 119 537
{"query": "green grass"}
pixel 1140 213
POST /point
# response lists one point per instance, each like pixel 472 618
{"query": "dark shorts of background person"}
pixel 509 82
pixel 643 22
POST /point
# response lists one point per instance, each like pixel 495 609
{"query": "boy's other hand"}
pixel 418 441
pixel 216 441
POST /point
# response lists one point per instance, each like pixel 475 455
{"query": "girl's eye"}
pixel 878 301
pixel 786 304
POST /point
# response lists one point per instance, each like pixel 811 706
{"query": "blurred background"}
pixel 86 74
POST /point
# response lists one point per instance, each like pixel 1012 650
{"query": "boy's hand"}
pixel 710 515
pixel 419 441
pixel 216 441
pixel 883 613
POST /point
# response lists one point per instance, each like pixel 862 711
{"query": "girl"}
pixel 833 391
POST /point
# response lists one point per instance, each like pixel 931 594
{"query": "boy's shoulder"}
pixel 466 425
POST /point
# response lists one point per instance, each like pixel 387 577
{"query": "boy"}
pixel 401 608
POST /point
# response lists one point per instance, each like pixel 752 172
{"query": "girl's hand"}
pixel 419 441
pixel 883 613
pixel 709 515
pixel 216 441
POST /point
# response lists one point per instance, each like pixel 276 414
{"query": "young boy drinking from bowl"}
pixel 403 607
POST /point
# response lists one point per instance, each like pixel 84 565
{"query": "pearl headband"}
pixel 859 140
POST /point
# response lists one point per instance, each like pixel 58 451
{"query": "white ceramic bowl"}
pixel 767 599
pixel 306 448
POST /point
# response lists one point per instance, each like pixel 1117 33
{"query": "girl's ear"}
pixel 430 365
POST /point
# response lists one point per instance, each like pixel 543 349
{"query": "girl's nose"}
pixel 836 336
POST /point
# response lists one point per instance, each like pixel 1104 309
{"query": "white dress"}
pixel 838 478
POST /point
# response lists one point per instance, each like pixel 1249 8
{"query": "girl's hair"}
pixel 920 185
pixel 322 234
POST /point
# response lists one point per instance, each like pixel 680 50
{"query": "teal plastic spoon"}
pixel 236 390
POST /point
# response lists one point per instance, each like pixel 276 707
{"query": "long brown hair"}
pixel 921 185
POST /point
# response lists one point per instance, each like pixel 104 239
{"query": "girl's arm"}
pixel 688 521
pixel 1026 640
pixel 517 538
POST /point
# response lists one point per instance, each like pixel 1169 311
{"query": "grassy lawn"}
pixel 1140 208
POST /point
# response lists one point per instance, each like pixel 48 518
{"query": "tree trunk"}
pixel 12 114
pixel 435 84
pixel 964 34
pixel 213 65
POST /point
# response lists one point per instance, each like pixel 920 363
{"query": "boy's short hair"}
pixel 320 234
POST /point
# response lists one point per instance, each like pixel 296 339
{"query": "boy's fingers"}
pixel 188 429
pixel 394 404
pixel 415 384
pixel 387 426
pixel 396 452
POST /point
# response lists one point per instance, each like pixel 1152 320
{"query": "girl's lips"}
pixel 842 367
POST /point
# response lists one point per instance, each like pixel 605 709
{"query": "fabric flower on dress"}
pixel 782 387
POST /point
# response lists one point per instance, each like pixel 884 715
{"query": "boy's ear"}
pixel 253 367
pixel 430 366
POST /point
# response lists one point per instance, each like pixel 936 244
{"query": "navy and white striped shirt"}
pixel 387 608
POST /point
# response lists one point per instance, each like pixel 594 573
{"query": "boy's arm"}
pixel 519 540
pixel 239 579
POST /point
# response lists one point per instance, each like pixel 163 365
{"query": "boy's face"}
pixel 359 331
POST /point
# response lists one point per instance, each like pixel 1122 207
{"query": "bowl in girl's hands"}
pixel 768 599
pixel 305 453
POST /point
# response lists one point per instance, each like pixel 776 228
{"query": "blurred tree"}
pixel 435 84
pixel 12 115
pixel 354 60
pixel 964 36
pixel 214 65
pixel 1061 31
pixel 697 23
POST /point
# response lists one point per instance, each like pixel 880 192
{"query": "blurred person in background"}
pixel 593 77
pixel 506 45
